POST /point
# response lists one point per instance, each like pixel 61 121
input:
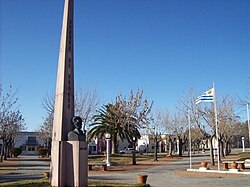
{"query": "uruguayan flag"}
pixel 208 96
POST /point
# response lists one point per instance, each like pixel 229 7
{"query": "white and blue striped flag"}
pixel 208 96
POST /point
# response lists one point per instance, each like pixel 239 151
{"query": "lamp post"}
pixel 243 144
pixel 178 146
pixel 133 152
pixel 108 136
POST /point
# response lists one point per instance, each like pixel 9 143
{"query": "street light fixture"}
pixel 133 152
pixel 243 143
pixel 108 136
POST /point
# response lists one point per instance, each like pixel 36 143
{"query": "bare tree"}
pixel 227 124
pixel 201 118
pixel 86 103
pixel 245 99
pixel 156 127
pixel 45 129
pixel 48 103
pixel 136 111
pixel 197 137
pixel 11 120
pixel 45 132
pixel 178 127
pixel 123 119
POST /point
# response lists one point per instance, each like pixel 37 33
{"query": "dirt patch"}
pixel 10 162
pixel 129 167
pixel 9 166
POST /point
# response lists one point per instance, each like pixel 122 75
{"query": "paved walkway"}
pixel 31 167
pixel 167 175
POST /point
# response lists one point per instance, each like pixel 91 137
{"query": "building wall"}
pixel 29 142
pixel 122 145
pixel 146 144
pixel 98 145
pixel 93 148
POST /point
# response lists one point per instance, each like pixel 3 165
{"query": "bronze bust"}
pixel 77 134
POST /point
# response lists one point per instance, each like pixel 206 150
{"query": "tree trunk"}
pixel 8 152
pixel 222 149
pixel 5 152
pixel 133 155
pixel 211 151
pixel 218 151
pixel 193 149
pixel 198 147
pixel 155 151
pixel 2 152
pixel 227 148
pixel 114 144
pixel 180 147
pixel 170 149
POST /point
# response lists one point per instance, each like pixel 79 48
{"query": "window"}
pixel 31 148
pixel 92 148
pixel 31 139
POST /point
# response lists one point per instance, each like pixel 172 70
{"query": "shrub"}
pixel 16 151
pixel 42 151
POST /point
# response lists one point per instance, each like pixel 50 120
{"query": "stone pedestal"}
pixel 233 170
pixel 202 169
pixel 69 166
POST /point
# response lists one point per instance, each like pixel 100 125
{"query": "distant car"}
pixel 127 151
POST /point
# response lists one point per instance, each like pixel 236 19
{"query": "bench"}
pixel 240 163
pixel 103 165
pixel 247 163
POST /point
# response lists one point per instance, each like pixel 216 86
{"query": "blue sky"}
pixel 161 46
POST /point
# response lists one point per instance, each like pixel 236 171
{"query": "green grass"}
pixel 122 158
pixel 45 183
pixel 112 183
pixel 27 183
pixel 244 155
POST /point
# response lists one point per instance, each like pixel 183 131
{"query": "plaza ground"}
pixel 166 172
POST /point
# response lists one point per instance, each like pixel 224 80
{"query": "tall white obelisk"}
pixel 68 158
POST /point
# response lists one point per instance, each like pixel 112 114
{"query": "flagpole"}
pixel 190 145
pixel 216 128
pixel 248 122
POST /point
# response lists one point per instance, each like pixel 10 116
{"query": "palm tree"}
pixel 109 120
pixel 122 119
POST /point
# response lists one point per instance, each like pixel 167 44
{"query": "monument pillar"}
pixel 68 158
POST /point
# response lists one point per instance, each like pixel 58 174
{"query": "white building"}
pixel 93 148
pixel 98 145
pixel 143 143
pixel 29 142
pixel 147 144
